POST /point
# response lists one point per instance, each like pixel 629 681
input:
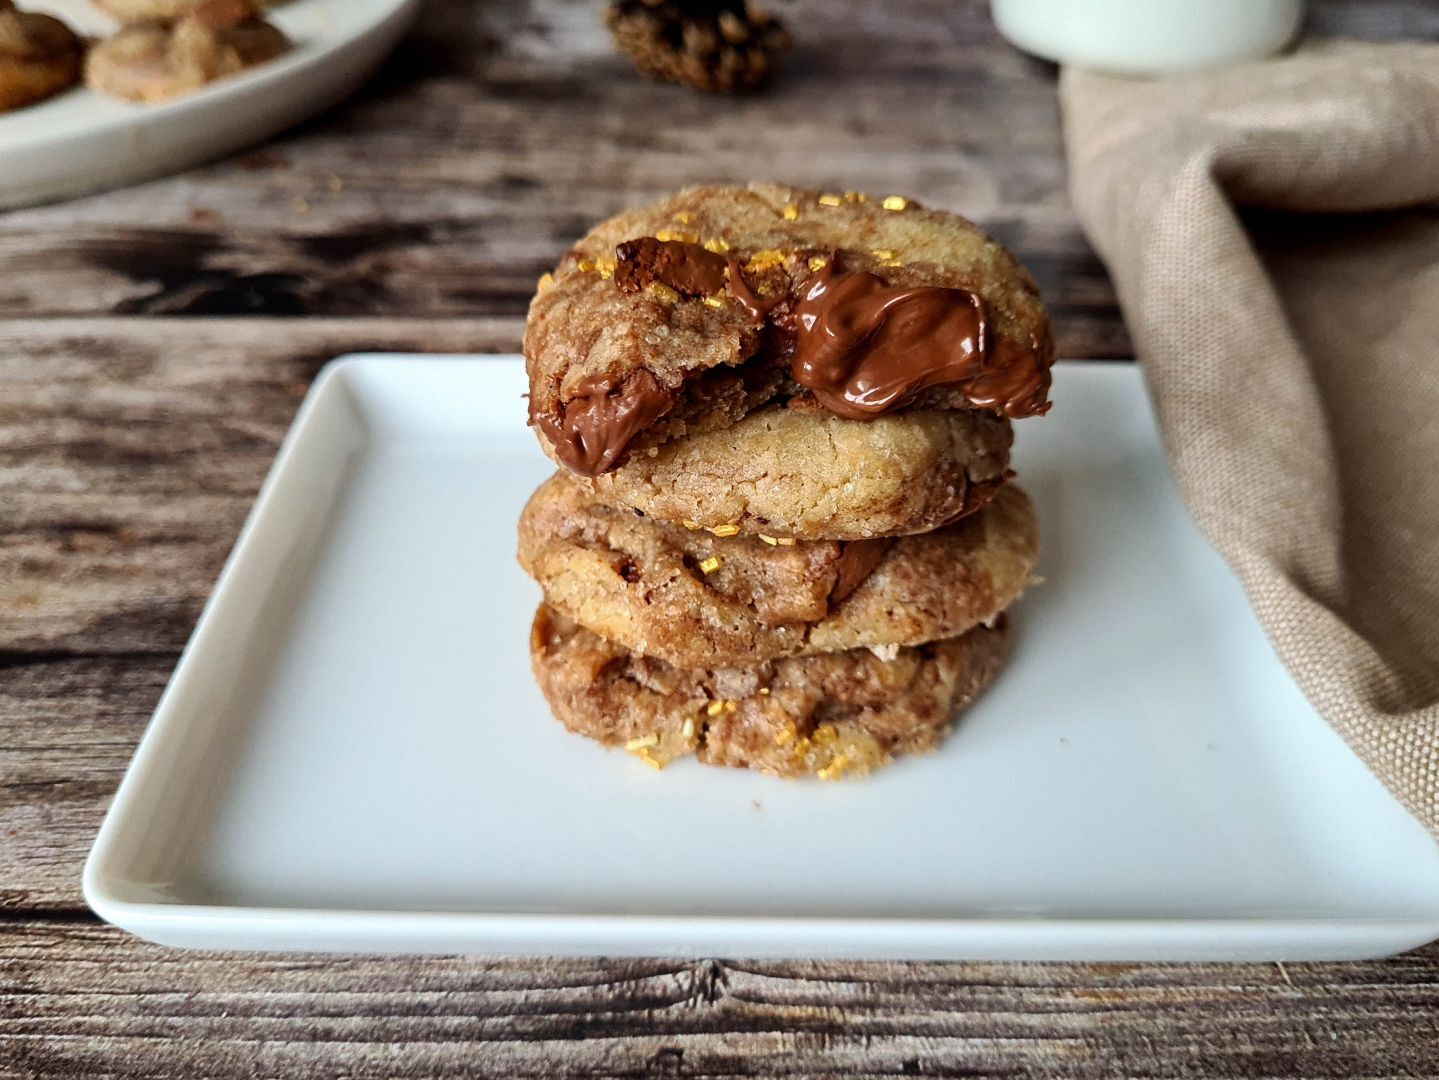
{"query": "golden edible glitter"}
pixel 763 691
pixel 835 769
pixel 649 759
pixel 546 280
pixel 714 708
pixel 725 530
pixel 690 525
pixel 855 197
pixel 785 541
pixel 790 212
pixel 818 262
pixel 683 218
pixel 764 260
pixel 641 741
pixel 825 734
pixel 713 301
pixel 718 246
pixel 770 540
pixel 688 731
pixel 892 262
pixel 605 268
pixel 710 565
pixel 830 200
pixel 783 736
pixel 663 291
pixel 895 202
pixel 882 253
pixel 675 234
pixel 584 266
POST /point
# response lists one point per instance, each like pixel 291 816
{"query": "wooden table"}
pixel 151 357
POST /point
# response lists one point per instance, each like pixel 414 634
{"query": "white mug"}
pixel 1148 37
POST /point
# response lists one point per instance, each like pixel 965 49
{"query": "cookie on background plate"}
pixel 156 61
pixel 835 715
pixel 689 314
pixel 148 10
pixel 697 600
pixel 39 57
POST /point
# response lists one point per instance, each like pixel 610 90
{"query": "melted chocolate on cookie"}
pixel 865 348
pixel 601 419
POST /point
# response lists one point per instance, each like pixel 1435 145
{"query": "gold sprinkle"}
pixel 790 212
pixel 673 234
pixel 855 197
pixel 818 262
pixel 895 202
pixel 783 736
pixel 785 541
pixel 770 540
pixel 641 741
pixel 710 565
pixel 892 262
pixel 835 769
pixel 605 267
pixel 725 530
pixel 649 759
pixel 882 253
pixel 764 260
pixel 718 246
pixel 688 731
pixel 731 706
pixel 683 218
pixel 763 691
pixel 830 200
pixel 825 734
pixel 690 525
pixel 546 280
pixel 714 708
pixel 584 266
pixel 714 301
pixel 663 292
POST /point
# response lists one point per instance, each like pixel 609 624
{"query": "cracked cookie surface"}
pixel 807 474
pixel 687 309
pixel 834 715
pixel 697 600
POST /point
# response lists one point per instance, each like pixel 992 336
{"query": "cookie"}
pixel 806 474
pixel 156 61
pixel 39 57
pixel 696 600
pixel 833 715
pixel 129 11
pixel 689 314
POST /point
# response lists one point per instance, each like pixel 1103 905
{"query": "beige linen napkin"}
pixel 1273 231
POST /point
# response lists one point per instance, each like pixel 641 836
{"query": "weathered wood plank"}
pixel 84 1000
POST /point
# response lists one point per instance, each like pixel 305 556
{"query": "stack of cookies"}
pixel 782 535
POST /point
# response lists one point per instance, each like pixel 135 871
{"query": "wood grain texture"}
pixel 136 425
pixel 84 1000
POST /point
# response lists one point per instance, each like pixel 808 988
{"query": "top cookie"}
pixel 686 315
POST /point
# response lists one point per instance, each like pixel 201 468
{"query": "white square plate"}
pixel 352 754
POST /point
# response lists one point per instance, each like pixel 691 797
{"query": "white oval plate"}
pixel 81 142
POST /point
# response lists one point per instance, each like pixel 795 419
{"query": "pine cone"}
pixel 723 45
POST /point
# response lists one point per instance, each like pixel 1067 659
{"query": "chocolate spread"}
pixel 688 269
pixel 602 417
pixel 857 560
pixel 865 348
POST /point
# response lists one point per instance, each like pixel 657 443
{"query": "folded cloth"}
pixel 1273 232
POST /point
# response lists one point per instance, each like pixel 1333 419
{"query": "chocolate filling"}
pixel 602 417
